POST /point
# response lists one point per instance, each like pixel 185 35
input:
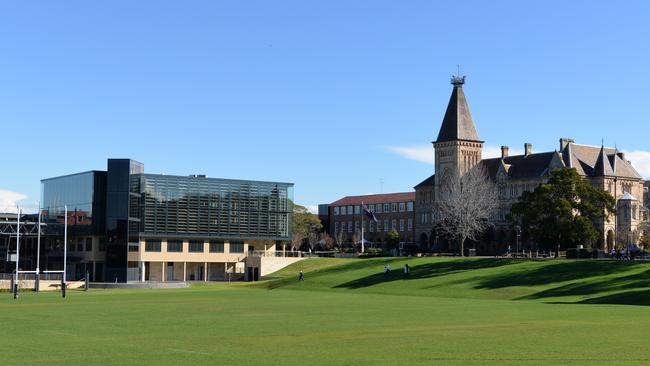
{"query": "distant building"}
pixel 127 225
pixel 459 148
pixel 392 210
pixel 324 216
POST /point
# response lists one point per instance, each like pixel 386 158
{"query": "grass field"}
pixel 447 311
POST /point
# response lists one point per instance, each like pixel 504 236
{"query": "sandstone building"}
pixel 459 148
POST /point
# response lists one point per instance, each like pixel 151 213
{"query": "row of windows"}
pixel 371 226
pixel 194 246
pixel 84 245
pixel 515 190
pixel 376 208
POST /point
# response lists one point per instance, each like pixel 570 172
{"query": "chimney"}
pixel 528 149
pixel 564 142
pixel 504 152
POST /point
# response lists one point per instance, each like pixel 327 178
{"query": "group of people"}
pixel 406 269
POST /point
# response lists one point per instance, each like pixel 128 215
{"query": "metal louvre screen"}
pixel 197 206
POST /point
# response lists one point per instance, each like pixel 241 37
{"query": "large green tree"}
pixel 561 213
pixel 305 227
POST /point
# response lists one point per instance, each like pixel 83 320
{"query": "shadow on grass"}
pixel 586 288
pixel 561 271
pixel 428 270
pixel 639 298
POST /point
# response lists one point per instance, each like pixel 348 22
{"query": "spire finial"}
pixel 457 80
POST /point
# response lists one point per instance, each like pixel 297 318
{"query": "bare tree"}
pixel 339 238
pixel 466 205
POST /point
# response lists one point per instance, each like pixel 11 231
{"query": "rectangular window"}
pixel 401 224
pixel 357 226
pixel 89 244
pixel 410 224
pixel 236 247
pixel 402 207
pixel 371 226
pixel 336 210
pixel 350 210
pixel 386 207
pixel 336 227
pixel 174 246
pixel 216 246
pixel 349 226
pixel 196 246
pixel 343 210
pixel 393 207
pixel 152 246
pixel 378 208
pixel 394 224
pixel 409 206
pixel 80 245
pixel 357 209
pixel 371 208
pixel 385 225
pixel 134 247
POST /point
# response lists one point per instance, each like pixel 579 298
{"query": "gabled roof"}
pixel 427 182
pixel 603 165
pixel 457 123
pixel 597 161
pixel 375 198
pixel 520 166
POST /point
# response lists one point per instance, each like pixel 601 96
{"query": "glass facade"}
pixel 208 207
pixel 85 196
pixel 112 211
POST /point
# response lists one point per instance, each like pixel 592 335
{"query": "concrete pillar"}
pixel 205 272
pixel 94 271
pixel 184 271
pixel 163 265
pixel 142 271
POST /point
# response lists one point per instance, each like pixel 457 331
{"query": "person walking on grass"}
pixel 407 269
pixel 301 276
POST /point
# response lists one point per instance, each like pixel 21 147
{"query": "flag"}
pixel 371 216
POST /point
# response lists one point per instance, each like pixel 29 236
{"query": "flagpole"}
pixel 363 213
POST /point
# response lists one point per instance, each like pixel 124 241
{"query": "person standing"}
pixel 301 276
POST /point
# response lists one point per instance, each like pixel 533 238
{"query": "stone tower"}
pixel 458 147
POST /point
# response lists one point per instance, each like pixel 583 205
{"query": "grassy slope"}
pixel 608 282
pixel 348 316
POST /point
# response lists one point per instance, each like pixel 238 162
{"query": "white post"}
pixel 17 243
pixel 38 243
pixel 362 237
pixel 65 242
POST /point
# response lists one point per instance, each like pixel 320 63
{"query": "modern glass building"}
pixel 125 225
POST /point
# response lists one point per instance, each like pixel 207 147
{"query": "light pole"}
pixel 518 232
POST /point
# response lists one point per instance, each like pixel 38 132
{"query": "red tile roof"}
pixel 375 198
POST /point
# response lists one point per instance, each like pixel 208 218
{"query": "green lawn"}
pixel 458 312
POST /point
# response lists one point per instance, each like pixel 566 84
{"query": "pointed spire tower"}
pixel 458 147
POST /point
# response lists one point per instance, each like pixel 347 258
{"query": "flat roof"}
pixel 209 178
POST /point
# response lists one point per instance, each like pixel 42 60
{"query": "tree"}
pixel 392 240
pixel 326 241
pixel 340 237
pixel 305 225
pixel 561 212
pixel 465 206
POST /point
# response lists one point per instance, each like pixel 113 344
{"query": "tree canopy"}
pixel 305 226
pixel 561 213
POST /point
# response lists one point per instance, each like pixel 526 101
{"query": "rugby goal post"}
pixel 38 272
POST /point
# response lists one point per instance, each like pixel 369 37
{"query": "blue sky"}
pixel 335 96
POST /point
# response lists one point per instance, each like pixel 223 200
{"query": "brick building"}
pixel 392 210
